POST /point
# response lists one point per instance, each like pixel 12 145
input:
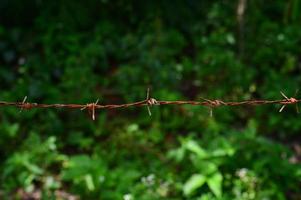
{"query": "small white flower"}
pixel 127 197
pixel 101 179
pixel 241 173
pixel 148 180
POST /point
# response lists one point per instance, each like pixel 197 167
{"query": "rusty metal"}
pixel 92 107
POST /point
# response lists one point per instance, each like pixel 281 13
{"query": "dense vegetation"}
pixel 64 51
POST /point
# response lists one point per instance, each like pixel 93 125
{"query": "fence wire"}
pixel 149 102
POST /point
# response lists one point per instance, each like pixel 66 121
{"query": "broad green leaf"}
pixel 33 168
pixel 13 130
pixel 203 166
pixel 193 183
pixel 79 166
pixel 177 154
pixel 89 182
pixel 215 184
pixel 195 147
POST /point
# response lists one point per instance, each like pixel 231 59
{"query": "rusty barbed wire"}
pixel 149 102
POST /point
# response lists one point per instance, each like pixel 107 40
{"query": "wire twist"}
pixel 149 102
pixel 91 108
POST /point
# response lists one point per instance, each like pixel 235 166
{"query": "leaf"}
pixel 215 184
pixel 177 154
pixel 89 182
pixel 195 147
pixel 193 183
pixel 13 130
pixel 33 168
pixel 77 167
pixel 205 167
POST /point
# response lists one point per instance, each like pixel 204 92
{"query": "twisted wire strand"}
pixel 91 107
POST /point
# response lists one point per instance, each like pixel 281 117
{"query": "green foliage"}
pixel 79 51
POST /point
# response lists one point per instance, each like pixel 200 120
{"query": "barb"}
pixel 150 102
pixel 91 108
pixel 289 101
pixel 211 104
pixel 24 105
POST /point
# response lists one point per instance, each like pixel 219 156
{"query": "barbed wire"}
pixel 149 102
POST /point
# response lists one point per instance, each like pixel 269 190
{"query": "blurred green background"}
pixel 64 51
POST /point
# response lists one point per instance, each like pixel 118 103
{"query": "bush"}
pixel 78 52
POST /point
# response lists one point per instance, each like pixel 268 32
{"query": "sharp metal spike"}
pixel 282 108
pixel 149 111
pixel 147 93
pixel 284 95
pixel 24 100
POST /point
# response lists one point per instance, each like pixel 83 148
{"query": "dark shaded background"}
pixel 64 51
